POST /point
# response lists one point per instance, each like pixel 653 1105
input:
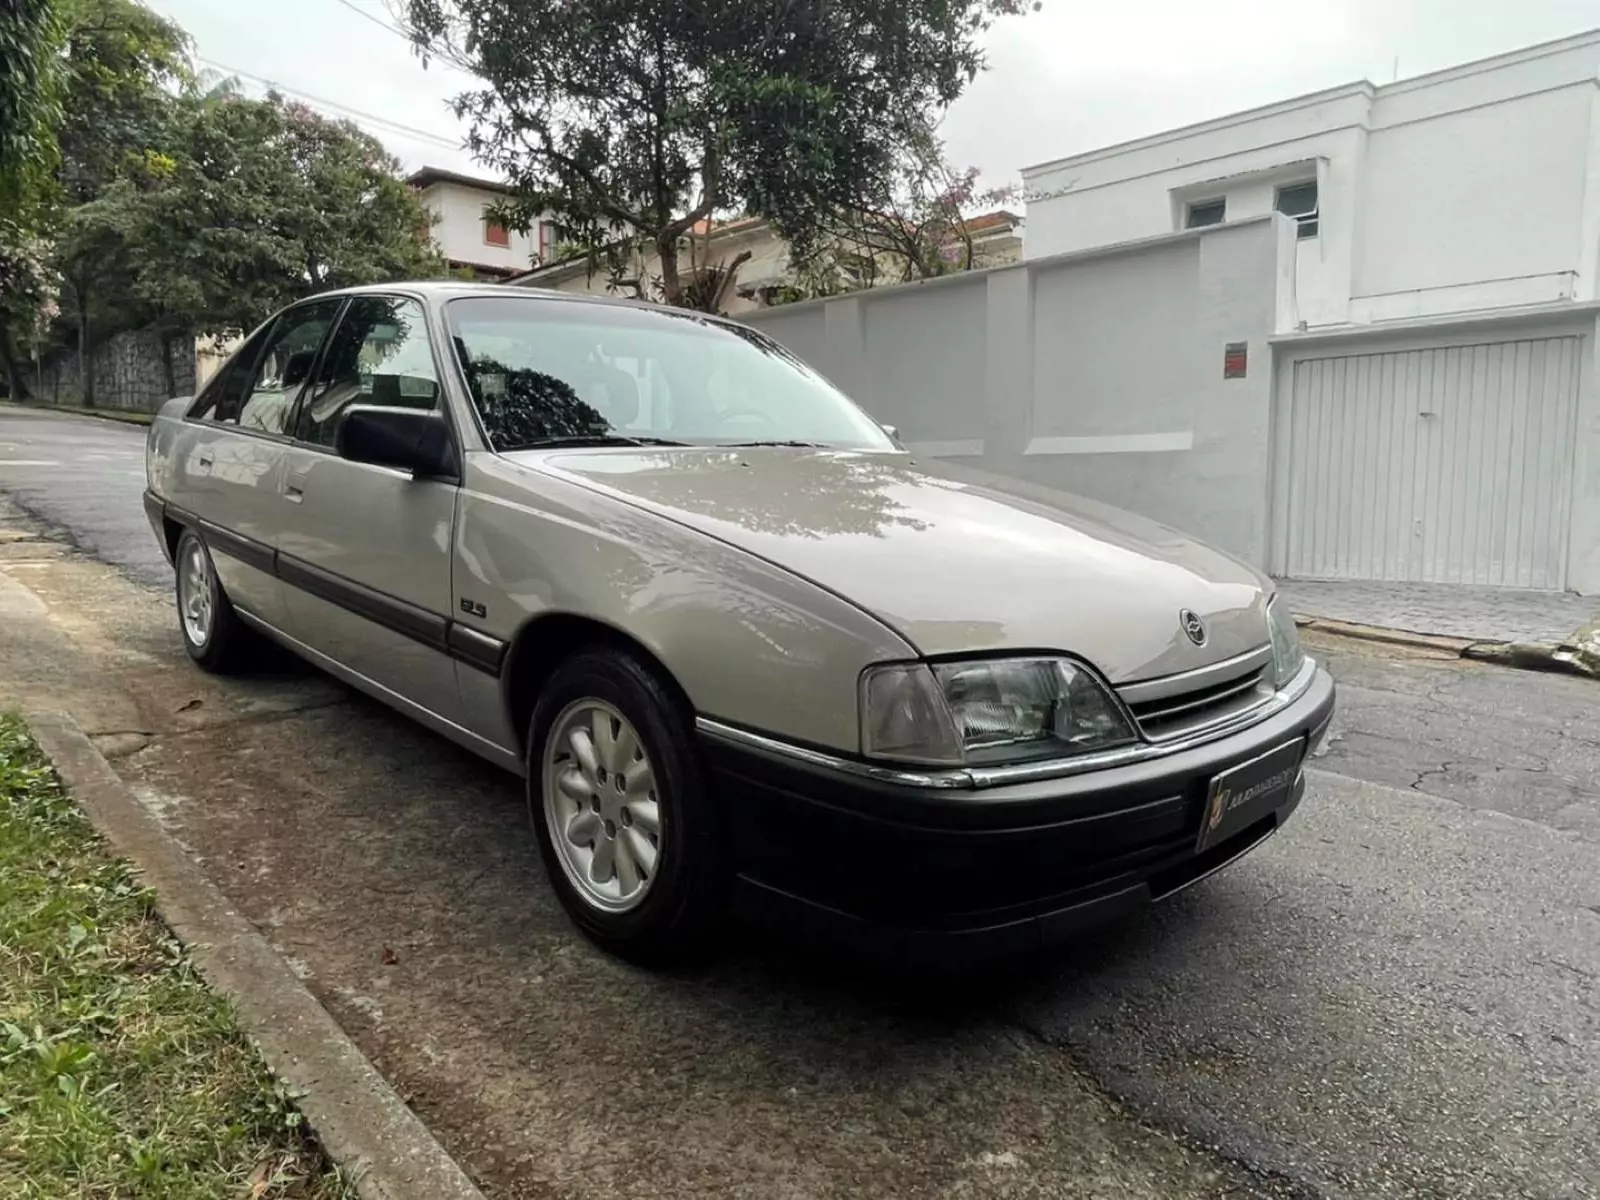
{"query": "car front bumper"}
pixel 940 875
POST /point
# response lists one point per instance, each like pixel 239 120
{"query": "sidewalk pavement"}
pixel 1555 630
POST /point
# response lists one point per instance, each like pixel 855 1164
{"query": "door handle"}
pixel 206 460
pixel 294 489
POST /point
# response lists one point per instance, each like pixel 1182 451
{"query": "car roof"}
pixel 439 290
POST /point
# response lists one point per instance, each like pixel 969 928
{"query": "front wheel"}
pixel 212 632
pixel 628 835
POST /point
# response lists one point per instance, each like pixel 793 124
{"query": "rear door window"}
pixel 258 388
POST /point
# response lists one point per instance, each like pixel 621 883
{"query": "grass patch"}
pixel 121 1074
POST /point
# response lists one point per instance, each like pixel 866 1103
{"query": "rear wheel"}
pixel 212 632
pixel 628 835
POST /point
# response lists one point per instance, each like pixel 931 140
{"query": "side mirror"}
pixel 412 439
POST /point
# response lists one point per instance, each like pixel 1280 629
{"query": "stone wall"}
pixel 128 373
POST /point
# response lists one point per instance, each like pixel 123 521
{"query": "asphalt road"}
pixel 1398 996
pixel 77 475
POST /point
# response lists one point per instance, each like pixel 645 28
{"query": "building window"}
pixel 1207 212
pixel 1298 201
pixel 547 241
pixel 494 233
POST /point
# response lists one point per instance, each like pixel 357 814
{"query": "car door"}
pixel 364 550
pixel 229 477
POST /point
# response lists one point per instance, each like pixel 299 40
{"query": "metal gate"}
pixel 1450 465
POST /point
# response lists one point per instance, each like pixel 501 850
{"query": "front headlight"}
pixel 987 711
pixel 1287 657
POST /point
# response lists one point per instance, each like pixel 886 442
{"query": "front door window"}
pixel 379 354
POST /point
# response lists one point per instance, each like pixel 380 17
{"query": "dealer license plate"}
pixel 1242 795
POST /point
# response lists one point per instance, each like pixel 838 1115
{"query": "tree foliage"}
pixel 30 106
pixel 122 65
pixel 265 201
pixel 30 111
pixel 182 206
pixel 636 119
pixel 916 225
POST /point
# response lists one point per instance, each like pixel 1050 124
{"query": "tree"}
pixel 30 109
pixel 261 203
pixel 916 226
pixel 635 120
pixel 122 66
pixel 343 206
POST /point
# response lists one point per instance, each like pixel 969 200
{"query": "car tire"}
pixel 212 632
pixel 641 801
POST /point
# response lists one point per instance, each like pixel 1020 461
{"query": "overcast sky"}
pixel 1077 75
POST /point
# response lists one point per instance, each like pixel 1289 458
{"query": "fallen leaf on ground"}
pixel 389 957
pixel 260 1180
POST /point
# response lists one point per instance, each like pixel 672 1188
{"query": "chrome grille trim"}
pixel 1210 698
pixel 1196 701
pixel 1192 681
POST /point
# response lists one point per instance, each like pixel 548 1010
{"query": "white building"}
pixel 468 236
pixel 1435 414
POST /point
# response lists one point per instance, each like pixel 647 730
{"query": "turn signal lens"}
pixel 1287 656
pixel 904 717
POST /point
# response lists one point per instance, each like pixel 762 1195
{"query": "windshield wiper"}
pixel 595 439
pixel 803 445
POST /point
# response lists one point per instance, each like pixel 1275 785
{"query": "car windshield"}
pixel 545 373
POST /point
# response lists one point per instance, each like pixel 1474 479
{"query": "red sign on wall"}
pixel 1234 360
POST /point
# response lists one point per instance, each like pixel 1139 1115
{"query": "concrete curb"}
pixel 380 1143
pixel 1578 655
pixel 120 415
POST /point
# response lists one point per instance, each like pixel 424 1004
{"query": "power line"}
pixel 438 139
pixel 376 20
pixel 443 63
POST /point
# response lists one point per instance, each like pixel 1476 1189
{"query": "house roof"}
pixel 719 228
pixel 988 222
pixel 428 176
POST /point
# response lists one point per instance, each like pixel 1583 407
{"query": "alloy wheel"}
pixel 601 805
pixel 196 593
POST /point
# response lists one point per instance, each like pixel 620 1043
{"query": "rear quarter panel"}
pixel 229 479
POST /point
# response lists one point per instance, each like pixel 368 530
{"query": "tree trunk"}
pixel 166 365
pixel 671 281
pixel 85 362
pixel 16 381
pixel 727 276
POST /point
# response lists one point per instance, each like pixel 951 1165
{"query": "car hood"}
pixel 954 560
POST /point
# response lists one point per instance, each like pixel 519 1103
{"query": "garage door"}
pixel 1448 465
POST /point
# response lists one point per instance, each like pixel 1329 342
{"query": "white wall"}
pixel 459 230
pixel 1469 189
pixel 1484 195
pixel 1099 372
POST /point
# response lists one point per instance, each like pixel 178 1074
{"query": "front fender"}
pixel 748 642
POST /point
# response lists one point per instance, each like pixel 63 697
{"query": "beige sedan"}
pixel 749 654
